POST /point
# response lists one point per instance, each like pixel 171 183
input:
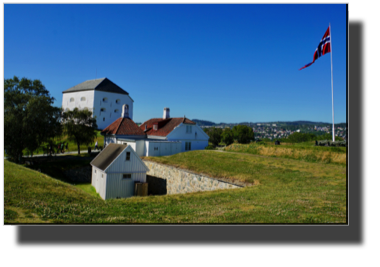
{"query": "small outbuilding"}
pixel 115 171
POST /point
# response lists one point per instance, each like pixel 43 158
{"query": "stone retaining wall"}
pixel 180 181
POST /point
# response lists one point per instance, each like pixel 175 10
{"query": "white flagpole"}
pixel 332 90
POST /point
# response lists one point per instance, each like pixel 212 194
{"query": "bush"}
pixel 243 134
pixel 209 147
pixel 215 135
pixel 227 136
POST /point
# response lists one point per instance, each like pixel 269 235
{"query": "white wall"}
pixel 94 102
pixel 109 140
pixel 99 182
pixel 110 106
pixel 119 187
pixel 88 102
pixel 116 185
pixel 197 137
pixel 129 143
pixel 162 148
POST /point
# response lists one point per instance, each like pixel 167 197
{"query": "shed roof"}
pixel 107 156
pixel 102 84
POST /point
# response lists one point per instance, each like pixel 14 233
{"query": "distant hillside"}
pixel 278 123
pixel 203 123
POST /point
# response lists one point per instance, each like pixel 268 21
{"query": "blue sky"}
pixel 223 63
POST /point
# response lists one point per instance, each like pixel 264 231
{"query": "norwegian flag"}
pixel 323 48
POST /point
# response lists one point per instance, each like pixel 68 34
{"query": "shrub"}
pixel 227 136
pixel 215 135
pixel 243 134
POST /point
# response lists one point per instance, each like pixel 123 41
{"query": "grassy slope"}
pixel 304 151
pixel 287 191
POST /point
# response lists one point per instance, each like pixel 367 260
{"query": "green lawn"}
pixel 305 151
pixel 285 191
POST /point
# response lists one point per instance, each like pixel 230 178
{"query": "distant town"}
pixel 277 130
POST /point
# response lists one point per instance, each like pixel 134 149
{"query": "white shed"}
pixel 115 171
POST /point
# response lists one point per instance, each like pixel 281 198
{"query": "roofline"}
pixel 116 158
pixel 65 92
pixel 126 93
pixel 147 169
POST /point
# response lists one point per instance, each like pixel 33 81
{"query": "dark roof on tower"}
pixel 102 84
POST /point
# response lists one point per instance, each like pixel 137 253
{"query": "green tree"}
pixel 79 126
pixel 243 134
pixel 227 136
pixel 29 117
pixel 215 135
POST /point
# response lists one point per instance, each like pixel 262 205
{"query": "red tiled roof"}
pixel 123 126
pixel 165 126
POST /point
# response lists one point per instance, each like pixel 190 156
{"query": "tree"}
pixel 243 134
pixel 29 117
pixel 227 136
pixel 215 135
pixel 79 126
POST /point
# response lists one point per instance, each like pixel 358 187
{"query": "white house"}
pixel 115 171
pixel 157 137
pixel 101 96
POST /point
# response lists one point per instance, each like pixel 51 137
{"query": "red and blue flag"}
pixel 323 48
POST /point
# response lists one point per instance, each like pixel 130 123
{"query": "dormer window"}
pixel 72 99
pixel 117 101
pixel 82 98
pixel 155 127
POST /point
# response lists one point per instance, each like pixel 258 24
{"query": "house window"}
pixel 188 128
pixel 155 127
pixel 127 176
pixel 104 119
pixel 188 146
pixel 102 110
pixel 105 99
pixel 116 110
pixel 95 171
pixel 72 99
pixel 128 155
pixel 156 148
pixel 82 98
pixel 117 101
pixel 102 175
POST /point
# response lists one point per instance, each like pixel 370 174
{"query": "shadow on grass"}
pixel 56 166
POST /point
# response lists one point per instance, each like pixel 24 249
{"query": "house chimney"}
pixel 125 111
pixel 166 113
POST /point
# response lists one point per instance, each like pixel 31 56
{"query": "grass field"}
pixel 285 191
pixel 302 151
